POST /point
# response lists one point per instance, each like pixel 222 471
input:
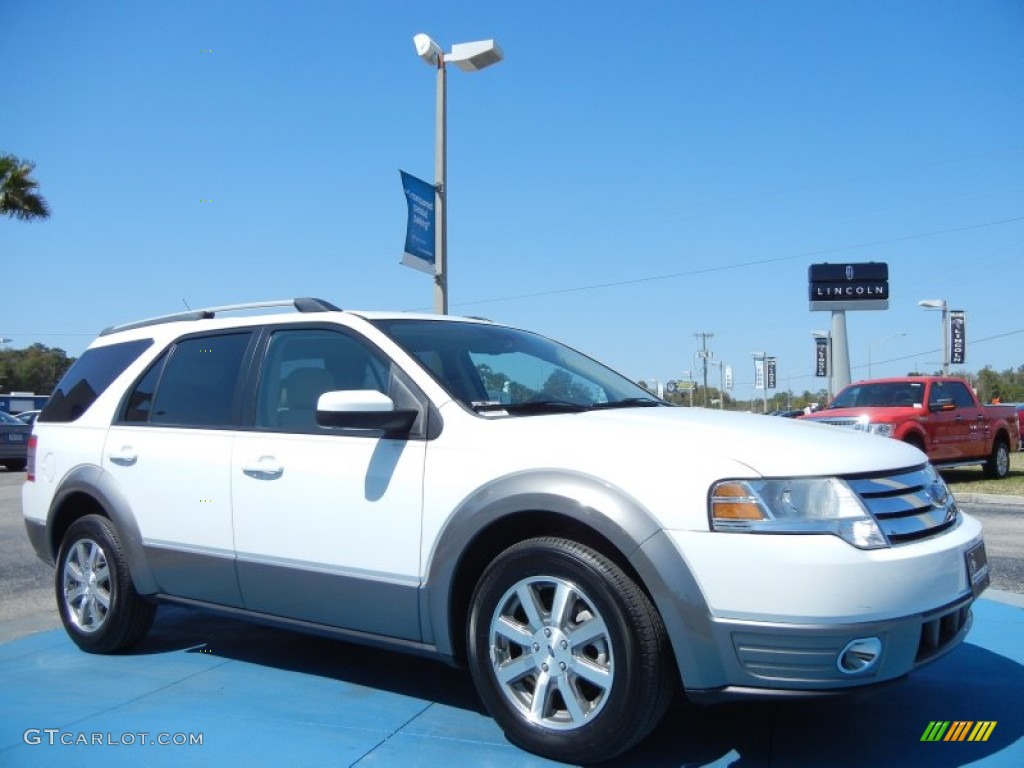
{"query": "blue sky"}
pixel 630 175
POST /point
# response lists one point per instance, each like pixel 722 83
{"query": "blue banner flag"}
pixel 419 233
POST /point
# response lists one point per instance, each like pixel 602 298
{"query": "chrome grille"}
pixel 838 421
pixel 908 506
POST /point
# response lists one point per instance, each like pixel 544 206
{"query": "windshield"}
pixel 897 394
pixel 498 370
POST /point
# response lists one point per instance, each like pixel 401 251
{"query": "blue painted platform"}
pixel 265 697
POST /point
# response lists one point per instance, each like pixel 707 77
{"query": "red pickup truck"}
pixel 939 415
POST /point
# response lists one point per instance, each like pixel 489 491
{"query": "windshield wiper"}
pixel 563 406
pixel 629 402
pixel 533 406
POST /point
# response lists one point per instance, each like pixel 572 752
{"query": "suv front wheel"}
pixel 98 603
pixel 567 652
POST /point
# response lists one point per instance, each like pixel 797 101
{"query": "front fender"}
pixel 607 510
pixel 911 430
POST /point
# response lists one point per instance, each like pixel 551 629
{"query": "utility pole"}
pixel 704 354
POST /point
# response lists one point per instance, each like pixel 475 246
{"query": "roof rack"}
pixel 304 304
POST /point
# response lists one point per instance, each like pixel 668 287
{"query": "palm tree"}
pixel 18 197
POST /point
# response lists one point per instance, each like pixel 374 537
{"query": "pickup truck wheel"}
pixel 566 651
pixel 998 464
pixel 99 606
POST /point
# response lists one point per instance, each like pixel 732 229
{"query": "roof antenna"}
pixel 186 305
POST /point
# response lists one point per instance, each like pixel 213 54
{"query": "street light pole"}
pixel 469 57
pixel 441 192
pixel 941 304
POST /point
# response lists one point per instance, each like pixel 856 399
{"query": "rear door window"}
pixel 197 386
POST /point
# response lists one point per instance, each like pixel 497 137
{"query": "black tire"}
pixel 16 465
pixel 603 692
pixel 98 603
pixel 998 464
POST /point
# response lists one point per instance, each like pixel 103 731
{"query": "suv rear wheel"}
pixel 566 651
pixel 98 603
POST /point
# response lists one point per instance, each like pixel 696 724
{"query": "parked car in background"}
pixel 938 414
pixel 29 417
pixel 13 442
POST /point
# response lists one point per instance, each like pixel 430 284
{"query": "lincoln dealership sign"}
pixel 849 286
pixel 957 337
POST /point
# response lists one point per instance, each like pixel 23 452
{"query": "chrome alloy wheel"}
pixel 86 585
pixel 1002 461
pixel 551 652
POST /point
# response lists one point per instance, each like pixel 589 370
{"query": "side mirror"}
pixel 945 404
pixel 364 409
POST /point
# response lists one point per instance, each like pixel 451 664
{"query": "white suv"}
pixel 482 494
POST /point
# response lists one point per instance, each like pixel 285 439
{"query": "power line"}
pixel 741 265
pixel 922 354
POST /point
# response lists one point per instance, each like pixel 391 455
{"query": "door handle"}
pixel 125 456
pixel 264 468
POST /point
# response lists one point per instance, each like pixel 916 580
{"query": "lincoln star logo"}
pixel 849 272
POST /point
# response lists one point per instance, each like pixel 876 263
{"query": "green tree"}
pixel 1007 387
pixel 497 382
pixel 18 196
pixel 36 369
pixel 562 386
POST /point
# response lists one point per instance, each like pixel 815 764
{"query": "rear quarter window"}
pixel 89 378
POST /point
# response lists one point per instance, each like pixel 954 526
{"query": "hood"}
pixel 770 446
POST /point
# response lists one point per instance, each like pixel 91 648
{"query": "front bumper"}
pixel 762 660
pixel 775 616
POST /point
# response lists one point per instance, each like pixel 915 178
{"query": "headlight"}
pixel 864 424
pixel 794 505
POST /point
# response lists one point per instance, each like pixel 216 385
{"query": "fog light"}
pixel 859 655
